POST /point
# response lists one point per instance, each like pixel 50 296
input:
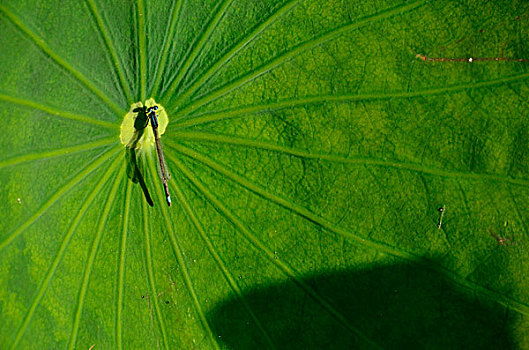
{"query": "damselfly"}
pixel 150 115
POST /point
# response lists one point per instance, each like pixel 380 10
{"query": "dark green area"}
pixel 403 306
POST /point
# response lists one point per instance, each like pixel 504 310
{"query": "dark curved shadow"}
pixel 397 307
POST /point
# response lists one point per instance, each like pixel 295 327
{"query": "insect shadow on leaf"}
pixel 135 168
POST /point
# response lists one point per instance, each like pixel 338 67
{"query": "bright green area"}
pixel 310 151
pixel 147 140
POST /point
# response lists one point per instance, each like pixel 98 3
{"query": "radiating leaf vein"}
pixel 160 67
pixel 239 46
pixel 59 113
pixel 121 271
pixel 60 61
pixel 213 116
pixel 184 69
pixel 387 163
pixel 110 47
pixel 66 151
pixel 150 277
pixel 91 167
pixel 376 246
pixel 293 52
pixel 287 270
pixel 93 253
pixel 180 259
pixel 64 245
pixel 218 260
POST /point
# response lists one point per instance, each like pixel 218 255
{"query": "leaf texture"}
pixel 310 149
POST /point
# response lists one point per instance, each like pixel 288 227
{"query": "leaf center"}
pixel 138 136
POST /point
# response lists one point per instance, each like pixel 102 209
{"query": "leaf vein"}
pixel 64 245
pixel 93 253
pixel 520 306
pixel 218 138
pixel 121 271
pixel 184 69
pixel 57 195
pixel 218 260
pixel 180 259
pixel 66 151
pixel 58 113
pixel 60 61
pixel 213 116
pixel 175 15
pixel 108 42
pixel 293 53
pixel 142 49
pixel 256 243
pixel 239 46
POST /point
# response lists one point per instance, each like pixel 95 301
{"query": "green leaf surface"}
pixel 310 150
